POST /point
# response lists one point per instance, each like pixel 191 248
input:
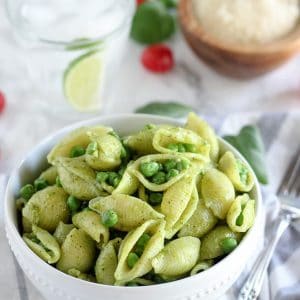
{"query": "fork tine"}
pixel 291 178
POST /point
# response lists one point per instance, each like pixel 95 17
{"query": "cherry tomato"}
pixel 2 102
pixel 139 2
pixel 158 58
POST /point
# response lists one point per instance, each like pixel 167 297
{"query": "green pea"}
pixel 116 181
pixel 155 198
pixel 123 153
pixel 172 173
pixel 143 240
pixel 173 147
pixel 181 148
pixel 92 148
pixel 160 167
pixel 112 177
pixel 86 209
pixel 27 191
pixel 182 165
pixel 148 169
pixel 57 182
pixel 101 177
pixel 240 220
pixel 132 259
pixel 169 164
pixel 40 184
pixel 73 204
pixel 190 148
pixel 228 245
pixel 77 151
pixel 159 178
pixel 109 218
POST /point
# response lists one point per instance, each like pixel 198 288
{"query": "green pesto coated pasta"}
pixel 78 179
pixel 200 223
pixel 199 126
pixel 241 214
pixel 237 172
pixel 78 137
pixel 78 251
pixel 50 175
pixel 128 184
pixel 61 231
pixel 47 208
pixel 107 156
pixel 107 262
pixel 42 243
pixel 217 192
pixel 77 274
pixel 211 243
pixel 201 266
pixel 90 222
pixel 177 257
pixel 132 212
pixel 156 231
pixel 178 204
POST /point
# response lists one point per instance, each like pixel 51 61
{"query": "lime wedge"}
pixel 83 80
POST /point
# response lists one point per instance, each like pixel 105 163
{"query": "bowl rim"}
pixel 11 228
pixel 281 45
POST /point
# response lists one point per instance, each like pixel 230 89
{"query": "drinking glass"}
pixel 73 49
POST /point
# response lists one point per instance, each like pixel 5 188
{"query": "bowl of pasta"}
pixel 133 206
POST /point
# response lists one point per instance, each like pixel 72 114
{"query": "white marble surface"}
pixel 24 122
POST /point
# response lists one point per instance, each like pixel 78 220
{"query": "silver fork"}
pixel 288 194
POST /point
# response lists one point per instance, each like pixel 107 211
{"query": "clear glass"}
pixel 73 49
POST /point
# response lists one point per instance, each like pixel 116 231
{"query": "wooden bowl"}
pixel 237 61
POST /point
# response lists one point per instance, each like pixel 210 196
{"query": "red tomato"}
pixel 158 58
pixel 2 102
pixel 138 2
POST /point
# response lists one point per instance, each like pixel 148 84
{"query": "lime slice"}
pixel 83 80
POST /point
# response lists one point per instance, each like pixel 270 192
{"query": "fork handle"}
pixel 252 287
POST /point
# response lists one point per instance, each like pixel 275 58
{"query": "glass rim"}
pixel 75 42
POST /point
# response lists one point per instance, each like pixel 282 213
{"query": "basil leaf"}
pixel 170 109
pixel 152 23
pixel 250 144
pixel 170 3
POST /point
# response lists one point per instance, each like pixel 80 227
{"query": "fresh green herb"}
pixel 169 3
pixel 27 191
pixel 249 143
pixel 152 23
pixel 109 218
pixel 77 151
pixel 169 109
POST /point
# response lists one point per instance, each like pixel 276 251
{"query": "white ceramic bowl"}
pixel 54 284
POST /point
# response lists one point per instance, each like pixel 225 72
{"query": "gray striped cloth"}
pixel 281 134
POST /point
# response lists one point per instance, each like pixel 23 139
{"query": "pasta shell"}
pixel 128 184
pixel 50 175
pixel 201 266
pixel 237 172
pixel 217 192
pixel 78 251
pixel 132 212
pixel 200 223
pixel 205 131
pixel 61 231
pixel 78 179
pixel 90 223
pixel 47 208
pixel 141 142
pixel 177 257
pixel 165 136
pixel 153 247
pixel 107 262
pixel 43 244
pixel 241 210
pixel 108 155
pixel 77 274
pixel 178 204
pixel 78 137
pixel 134 169
pixel 211 243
